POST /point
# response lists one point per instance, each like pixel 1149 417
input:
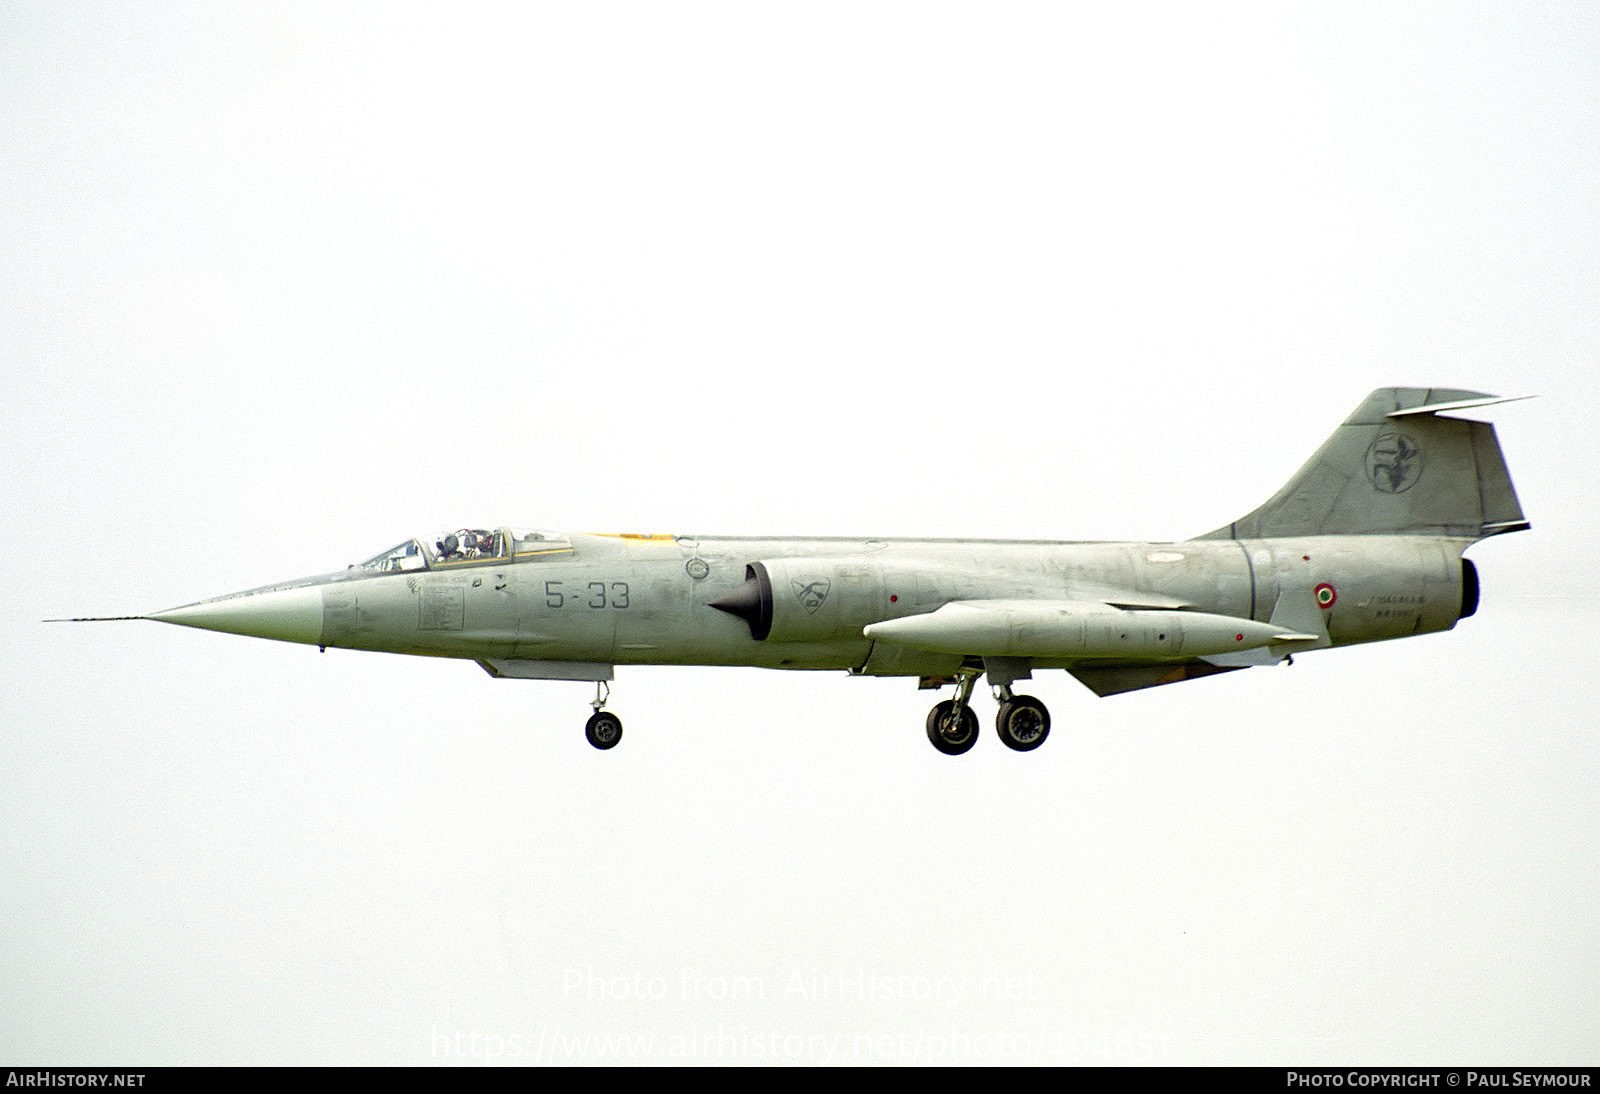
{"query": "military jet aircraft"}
pixel 1363 544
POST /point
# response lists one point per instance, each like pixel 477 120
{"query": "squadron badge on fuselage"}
pixel 811 594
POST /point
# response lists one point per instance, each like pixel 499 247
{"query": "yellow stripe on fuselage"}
pixel 635 537
pixel 439 563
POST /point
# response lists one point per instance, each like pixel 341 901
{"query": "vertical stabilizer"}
pixel 1396 466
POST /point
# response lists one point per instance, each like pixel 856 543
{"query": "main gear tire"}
pixel 952 727
pixel 1023 723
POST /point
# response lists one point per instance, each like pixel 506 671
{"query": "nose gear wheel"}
pixel 603 730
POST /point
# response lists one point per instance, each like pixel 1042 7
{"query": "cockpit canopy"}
pixel 467 547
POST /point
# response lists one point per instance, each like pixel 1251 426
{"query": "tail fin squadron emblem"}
pixel 1394 463
pixel 811 594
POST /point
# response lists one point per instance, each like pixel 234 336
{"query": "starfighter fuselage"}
pixel 1364 543
pixel 868 606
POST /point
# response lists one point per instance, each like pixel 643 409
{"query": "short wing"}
pixel 1115 679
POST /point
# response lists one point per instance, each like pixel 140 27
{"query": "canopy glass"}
pixel 467 547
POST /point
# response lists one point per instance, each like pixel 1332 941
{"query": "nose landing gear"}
pixel 604 729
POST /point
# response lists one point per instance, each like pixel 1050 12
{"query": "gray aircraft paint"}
pixel 630 602
pixel 1363 544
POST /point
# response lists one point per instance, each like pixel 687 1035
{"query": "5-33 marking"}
pixel 595 594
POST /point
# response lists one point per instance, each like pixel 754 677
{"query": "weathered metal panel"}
pixel 441 608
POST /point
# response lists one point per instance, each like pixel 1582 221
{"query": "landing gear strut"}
pixel 1022 721
pixel 603 729
pixel 952 727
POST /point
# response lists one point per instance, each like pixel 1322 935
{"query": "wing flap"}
pixel 1114 680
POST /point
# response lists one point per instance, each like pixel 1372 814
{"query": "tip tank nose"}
pixel 286 615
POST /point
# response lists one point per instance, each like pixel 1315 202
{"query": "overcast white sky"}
pixel 283 284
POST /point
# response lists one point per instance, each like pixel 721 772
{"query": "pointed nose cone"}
pixel 287 615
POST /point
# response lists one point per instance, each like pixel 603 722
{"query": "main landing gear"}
pixel 1022 722
pixel 603 729
pixel 952 727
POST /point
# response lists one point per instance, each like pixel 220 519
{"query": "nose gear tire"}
pixel 603 730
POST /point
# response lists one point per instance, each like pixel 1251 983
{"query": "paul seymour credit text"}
pixel 1470 1080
